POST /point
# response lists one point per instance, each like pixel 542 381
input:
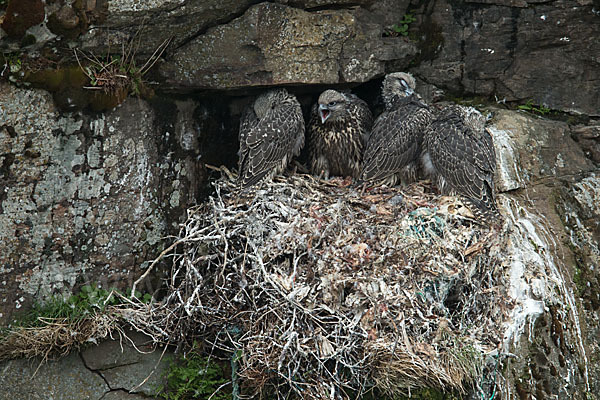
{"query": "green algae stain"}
pixel 55 80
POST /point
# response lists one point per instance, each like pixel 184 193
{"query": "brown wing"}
pixel 315 137
pixel 364 116
pixel 395 141
pixel 465 158
pixel 265 144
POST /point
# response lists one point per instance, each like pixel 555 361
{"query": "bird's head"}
pixel 471 116
pixel 397 85
pixel 268 100
pixel 331 105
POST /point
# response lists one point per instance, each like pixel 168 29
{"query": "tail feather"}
pixel 485 211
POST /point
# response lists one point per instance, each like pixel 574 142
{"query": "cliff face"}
pixel 92 181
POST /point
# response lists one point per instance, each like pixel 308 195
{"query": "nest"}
pixel 317 288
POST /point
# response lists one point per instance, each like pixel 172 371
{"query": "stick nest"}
pixel 319 289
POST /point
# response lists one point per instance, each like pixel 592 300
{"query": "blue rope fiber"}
pixel 493 382
pixel 235 380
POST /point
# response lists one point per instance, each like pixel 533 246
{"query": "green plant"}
pixel 531 107
pixel 118 74
pixel 91 299
pixel 75 308
pixel 11 63
pixel 402 27
pixel 194 377
pixel 59 325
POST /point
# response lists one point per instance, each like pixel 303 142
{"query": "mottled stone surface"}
pixel 516 50
pixel 578 207
pixel 138 369
pixel 546 52
pixel 63 379
pixel 273 44
pixel 22 15
pixel 123 395
pixel 534 151
pixel 83 199
pixel 553 278
pixel 86 197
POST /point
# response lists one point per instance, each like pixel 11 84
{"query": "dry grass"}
pixel 57 337
pixel 321 290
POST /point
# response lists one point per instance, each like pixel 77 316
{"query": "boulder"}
pixel 85 199
pixel 272 44
pixel 63 379
pixel 552 206
pixel 133 364
pixel 515 50
pixel 531 151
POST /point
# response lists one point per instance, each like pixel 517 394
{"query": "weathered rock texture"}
pixel 84 198
pixel 275 44
pixel 515 50
pixel 113 370
pixel 63 379
pixel 559 338
pixel 140 369
pixel 511 49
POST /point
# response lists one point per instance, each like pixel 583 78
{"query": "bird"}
pixel 393 150
pixel 338 129
pixel 459 155
pixel 271 133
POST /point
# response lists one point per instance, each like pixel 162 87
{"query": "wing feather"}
pixel 464 157
pixel 395 140
pixel 268 143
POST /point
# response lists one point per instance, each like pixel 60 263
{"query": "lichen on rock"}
pixel 81 197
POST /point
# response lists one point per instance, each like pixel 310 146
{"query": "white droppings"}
pixel 564 39
pixel 560 162
pixel 491 51
pixel 535 277
pixel 508 171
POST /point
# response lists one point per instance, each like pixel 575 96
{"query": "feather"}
pixel 336 145
pixel 461 154
pixel 394 147
pixel 271 133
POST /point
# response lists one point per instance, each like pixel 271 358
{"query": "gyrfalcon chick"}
pixel 271 133
pixel 459 155
pixel 338 129
pixel 394 148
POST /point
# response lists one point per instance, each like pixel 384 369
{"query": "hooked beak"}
pixel 324 112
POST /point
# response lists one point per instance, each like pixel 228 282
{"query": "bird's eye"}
pixel 333 103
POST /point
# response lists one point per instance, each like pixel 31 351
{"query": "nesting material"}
pixel 318 288
pixel 56 337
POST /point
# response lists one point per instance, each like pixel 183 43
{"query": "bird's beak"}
pixel 324 112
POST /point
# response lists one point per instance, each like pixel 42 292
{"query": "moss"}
pixel 194 376
pixel 100 100
pixel 28 40
pixel 55 80
pixel 426 394
pixel 67 86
